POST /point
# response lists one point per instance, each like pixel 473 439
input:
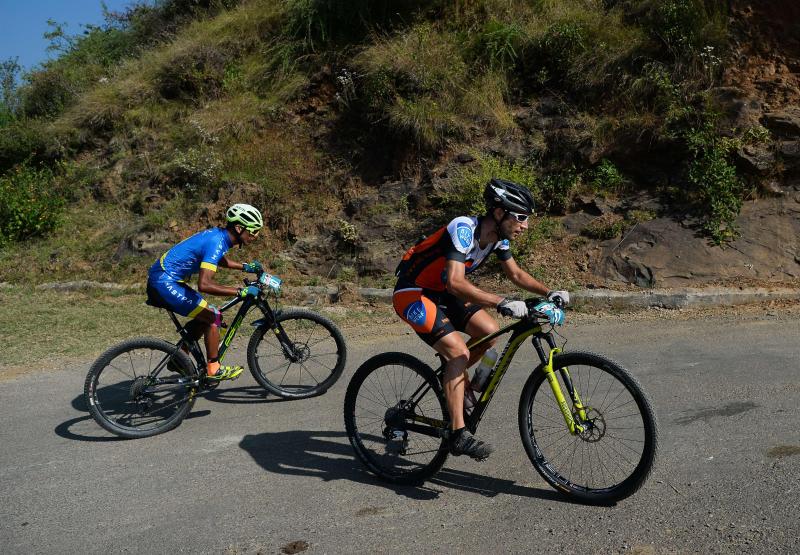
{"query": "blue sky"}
pixel 24 22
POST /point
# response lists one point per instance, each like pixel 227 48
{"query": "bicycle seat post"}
pixel 180 329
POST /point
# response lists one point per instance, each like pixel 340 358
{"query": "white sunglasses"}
pixel 519 217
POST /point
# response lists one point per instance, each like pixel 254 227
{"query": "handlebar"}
pixel 532 302
pixel 265 280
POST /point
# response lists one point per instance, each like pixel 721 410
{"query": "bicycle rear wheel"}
pixel 394 413
pixel 317 358
pixel 140 388
pixel 614 455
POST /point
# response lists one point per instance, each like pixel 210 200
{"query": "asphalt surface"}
pixel 248 474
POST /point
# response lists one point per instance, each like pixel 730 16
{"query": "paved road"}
pixel 247 474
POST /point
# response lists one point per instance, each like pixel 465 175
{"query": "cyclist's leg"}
pixel 480 325
pixel 473 320
pixel 183 300
pixel 433 326
pixel 455 380
pixel 210 319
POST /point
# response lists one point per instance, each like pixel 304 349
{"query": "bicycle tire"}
pixel 631 434
pixel 106 399
pixel 276 373
pixel 368 404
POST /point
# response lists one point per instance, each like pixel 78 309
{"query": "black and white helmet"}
pixel 509 196
pixel 245 215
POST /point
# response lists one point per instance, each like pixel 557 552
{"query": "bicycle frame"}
pixel 520 331
pixel 247 304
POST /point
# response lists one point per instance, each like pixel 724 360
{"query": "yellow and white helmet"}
pixel 245 215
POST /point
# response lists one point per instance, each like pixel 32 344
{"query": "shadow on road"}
pixel 65 430
pixel 242 395
pixel 79 403
pixel 237 395
pixel 323 455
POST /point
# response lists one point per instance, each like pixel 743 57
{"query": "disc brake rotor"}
pixel 594 427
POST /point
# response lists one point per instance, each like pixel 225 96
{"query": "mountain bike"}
pixel 585 422
pixel 146 386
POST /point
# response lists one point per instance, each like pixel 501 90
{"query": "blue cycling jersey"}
pixel 201 250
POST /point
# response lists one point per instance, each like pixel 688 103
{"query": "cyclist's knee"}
pixel 209 316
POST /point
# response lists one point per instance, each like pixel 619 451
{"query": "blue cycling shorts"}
pixel 177 296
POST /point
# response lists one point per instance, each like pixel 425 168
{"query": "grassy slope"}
pixel 235 102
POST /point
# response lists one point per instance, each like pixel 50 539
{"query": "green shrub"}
pixel 347 232
pixel 193 170
pixel 498 44
pixel 684 27
pixel 420 85
pixel 562 41
pixel 75 180
pixel 416 83
pixel 21 140
pixel 640 216
pixel 556 190
pixel 9 95
pixel 605 178
pixel 714 179
pixel 193 74
pixel 604 227
pixel 332 23
pixel 28 205
pixel 46 93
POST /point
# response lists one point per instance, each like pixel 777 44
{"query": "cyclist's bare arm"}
pixel 458 285
pixel 226 262
pixel 206 284
pixel 523 279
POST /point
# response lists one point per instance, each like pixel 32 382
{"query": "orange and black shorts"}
pixel 432 314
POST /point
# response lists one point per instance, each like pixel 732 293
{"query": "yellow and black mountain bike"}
pixel 146 386
pixel 586 424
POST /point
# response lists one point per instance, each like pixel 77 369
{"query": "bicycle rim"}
pixel 613 456
pixel 380 402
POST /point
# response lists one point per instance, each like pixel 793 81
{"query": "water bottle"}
pixel 488 360
pixel 469 399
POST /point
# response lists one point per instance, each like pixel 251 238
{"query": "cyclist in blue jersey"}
pixel 202 254
pixel 434 296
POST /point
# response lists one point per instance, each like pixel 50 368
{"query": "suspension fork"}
pixel 580 410
pixel 272 323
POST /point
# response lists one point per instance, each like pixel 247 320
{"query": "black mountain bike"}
pixel 146 386
pixel 586 425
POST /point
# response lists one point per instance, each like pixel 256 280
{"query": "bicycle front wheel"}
pixel 141 387
pixel 395 415
pixel 308 366
pixel 613 456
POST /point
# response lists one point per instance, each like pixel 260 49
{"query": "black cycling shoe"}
pixel 464 443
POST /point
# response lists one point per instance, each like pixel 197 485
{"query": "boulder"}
pixel 664 253
pixel 738 106
pixel 783 123
pixel 145 243
pixel 757 159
